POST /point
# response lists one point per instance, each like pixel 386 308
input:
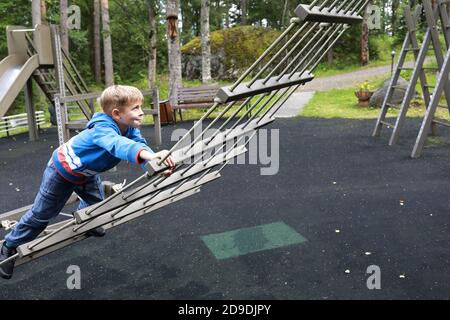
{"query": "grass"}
pixel 342 103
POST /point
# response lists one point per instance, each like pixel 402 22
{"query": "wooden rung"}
pixel 445 124
pixel 405 68
pixel 391 105
pixel 242 91
pixel 398 87
pixel 387 124
pixel 306 13
pixel 412 49
pixel 76 125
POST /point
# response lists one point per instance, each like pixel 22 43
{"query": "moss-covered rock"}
pixel 233 50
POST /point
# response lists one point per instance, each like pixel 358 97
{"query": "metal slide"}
pixel 15 70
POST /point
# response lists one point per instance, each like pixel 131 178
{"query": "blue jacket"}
pixel 98 148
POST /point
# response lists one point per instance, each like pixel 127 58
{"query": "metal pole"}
pixel 293 49
pixel 324 52
pixel 256 77
pixel 70 223
pixel 324 36
pixel 392 62
pixel 232 117
pixel 273 45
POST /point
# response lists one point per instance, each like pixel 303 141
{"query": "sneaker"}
pixel 6 269
pixel 97 232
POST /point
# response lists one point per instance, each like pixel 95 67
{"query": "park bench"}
pixel 196 97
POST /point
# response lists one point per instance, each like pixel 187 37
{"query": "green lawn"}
pixel 342 103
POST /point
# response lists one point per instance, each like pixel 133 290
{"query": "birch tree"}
pixel 107 47
pixel 153 43
pixel 173 39
pixel 206 43
pixel 243 12
pixel 97 43
pixel 36 12
pixel 43 12
pixel 64 32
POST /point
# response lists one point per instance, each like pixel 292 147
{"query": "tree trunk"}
pixel 330 56
pixel 283 16
pixel 153 44
pixel 448 8
pixel 394 16
pixel 97 43
pixel 107 47
pixel 227 13
pixel 43 12
pixel 64 32
pixel 36 12
pixel 365 40
pixel 173 37
pixel 206 43
pixel 243 12
pixel 187 22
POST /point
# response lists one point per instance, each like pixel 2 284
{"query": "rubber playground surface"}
pixel 341 201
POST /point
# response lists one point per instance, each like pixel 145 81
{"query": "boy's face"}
pixel 130 116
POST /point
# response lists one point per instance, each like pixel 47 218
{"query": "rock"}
pixel 192 66
pixel 233 50
pixel 377 98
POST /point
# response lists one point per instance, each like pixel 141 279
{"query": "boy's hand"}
pixel 169 162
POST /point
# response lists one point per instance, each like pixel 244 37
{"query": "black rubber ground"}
pixel 332 176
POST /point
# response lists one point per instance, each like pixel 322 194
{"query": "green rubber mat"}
pixel 247 240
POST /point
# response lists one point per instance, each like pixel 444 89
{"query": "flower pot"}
pixel 363 97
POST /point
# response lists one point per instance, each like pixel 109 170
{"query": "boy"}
pixel 109 137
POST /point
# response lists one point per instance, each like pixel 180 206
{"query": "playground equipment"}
pixel 431 99
pixel 296 53
pixel 41 58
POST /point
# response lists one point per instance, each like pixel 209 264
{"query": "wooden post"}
pixel 156 117
pixel 6 127
pixel 31 112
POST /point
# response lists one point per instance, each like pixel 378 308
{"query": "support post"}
pixel 31 112
pixel 156 115
pixel 60 107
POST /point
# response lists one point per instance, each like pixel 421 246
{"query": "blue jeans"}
pixel 50 200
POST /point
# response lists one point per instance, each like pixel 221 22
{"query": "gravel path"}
pixel 297 102
pixel 348 79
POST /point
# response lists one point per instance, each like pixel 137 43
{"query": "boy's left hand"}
pixel 169 161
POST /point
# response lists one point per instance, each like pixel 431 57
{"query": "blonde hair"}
pixel 118 96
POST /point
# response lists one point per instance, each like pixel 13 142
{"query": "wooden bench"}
pixel 196 97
